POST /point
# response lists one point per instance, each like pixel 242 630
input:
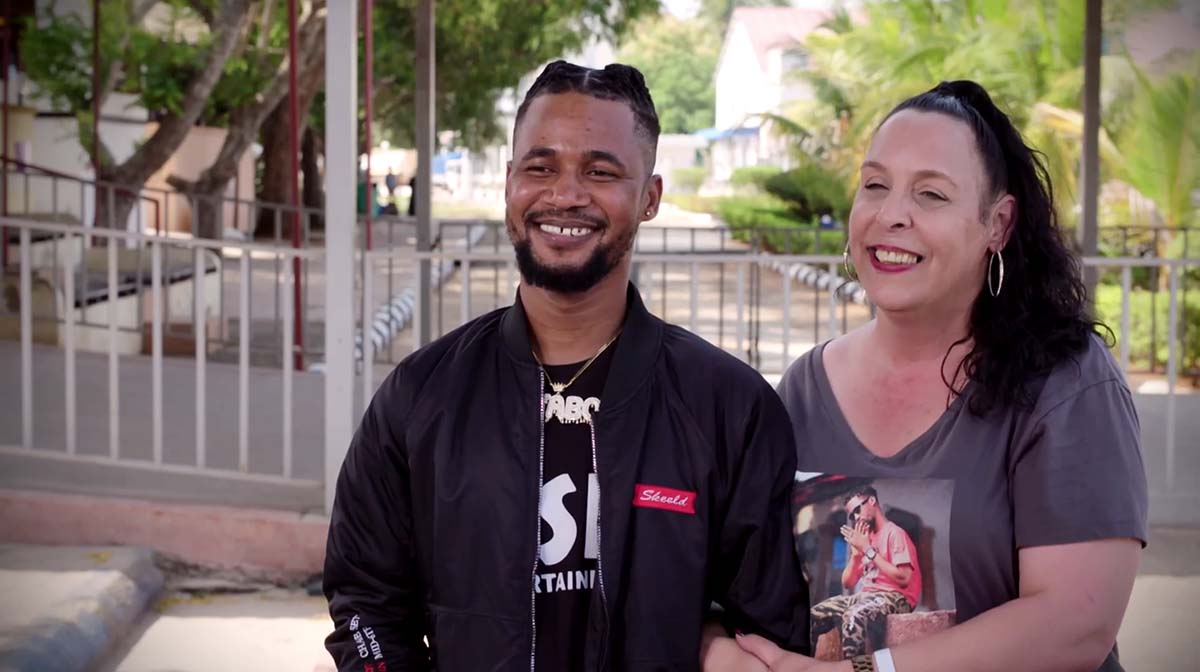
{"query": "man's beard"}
pixel 569 280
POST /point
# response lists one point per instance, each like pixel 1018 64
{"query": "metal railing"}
pixel 67 312
pixel 763 307
pixel 723 285
pixel 49 196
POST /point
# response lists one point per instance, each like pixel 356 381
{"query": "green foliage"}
pixel 1029 57
pixel 500 41
pixel 688 179
pixel 1023 52
pixel 771 224
pixel 1143 354
pixel 753 177
pixel 483 48
pixel 679 60
pixel 1162 148
pixel 811 191
pixel 51 55
pixel 157 61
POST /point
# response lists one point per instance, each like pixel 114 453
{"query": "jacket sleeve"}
pixel 758 580
pixel 371 576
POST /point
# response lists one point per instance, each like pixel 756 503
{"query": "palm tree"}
pixel 1024 53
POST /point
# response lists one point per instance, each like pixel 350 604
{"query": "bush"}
pixel 811 191
pixel 688 179
pixel 1108 311
pixel 771 224
pixel 753 178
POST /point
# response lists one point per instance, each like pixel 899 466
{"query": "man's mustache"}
pixel 533 218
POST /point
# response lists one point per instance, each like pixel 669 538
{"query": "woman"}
pixel 984 371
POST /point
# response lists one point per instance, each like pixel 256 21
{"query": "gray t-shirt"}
pixel 1069 470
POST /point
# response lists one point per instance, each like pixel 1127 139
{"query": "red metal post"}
pixel 95 109
pixel 294 150
pixel 368 7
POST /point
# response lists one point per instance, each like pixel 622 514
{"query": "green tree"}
pixel 1022 52
pixel 1029 55
pixel 484 47
pixel 679 60
pixel 235 74
pixel 173 73
pixel 1161 150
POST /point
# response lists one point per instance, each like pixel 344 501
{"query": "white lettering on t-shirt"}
pixel 564 530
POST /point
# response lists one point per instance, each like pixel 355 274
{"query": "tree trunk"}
pixel 275 187
pixel 314 194
pixel 245 124
pixel 276 155
pixel 228 31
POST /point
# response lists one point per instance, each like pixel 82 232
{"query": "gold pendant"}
pixel 558 387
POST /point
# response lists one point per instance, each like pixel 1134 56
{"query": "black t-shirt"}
pixel 567 578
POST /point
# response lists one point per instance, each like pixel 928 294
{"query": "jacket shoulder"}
pixel 461 346
pixel 701 368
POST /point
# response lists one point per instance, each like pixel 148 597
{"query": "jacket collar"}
pixel 635 355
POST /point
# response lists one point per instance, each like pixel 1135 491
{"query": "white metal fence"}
pixel 214 404
pixel 153 274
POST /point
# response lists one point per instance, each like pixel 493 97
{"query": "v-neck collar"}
pixel 833 410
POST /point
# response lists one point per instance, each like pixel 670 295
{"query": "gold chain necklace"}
pixel 559 387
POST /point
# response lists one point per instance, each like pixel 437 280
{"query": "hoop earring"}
pixel 995 290
pixel 853 275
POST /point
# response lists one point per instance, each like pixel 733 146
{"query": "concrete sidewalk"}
pixel 62 608
pixel 89 608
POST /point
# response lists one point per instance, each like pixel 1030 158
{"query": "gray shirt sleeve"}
pixel 1078 475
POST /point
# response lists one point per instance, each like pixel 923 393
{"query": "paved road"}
pixel 284 630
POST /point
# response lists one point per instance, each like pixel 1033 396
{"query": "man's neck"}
pixel 570 328
pixel 880 522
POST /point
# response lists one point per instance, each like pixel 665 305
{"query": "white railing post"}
pixel 287 349
pixel 114 382
pixel 1172 370
pixel 1126 290
pixel 368 330
pixel 244 362
pixel 26 290
pixel 341 77
pixel 156 335
pixel 69 391
pixel 200 333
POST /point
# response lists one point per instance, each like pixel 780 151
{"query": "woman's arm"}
pixel 1072 599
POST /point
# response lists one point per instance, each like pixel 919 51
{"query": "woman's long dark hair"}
pixel 1041 317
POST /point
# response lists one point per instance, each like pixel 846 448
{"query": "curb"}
pixel 96 619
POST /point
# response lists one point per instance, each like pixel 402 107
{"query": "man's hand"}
pixel 719 653
pixel 778 660
pixel 858 537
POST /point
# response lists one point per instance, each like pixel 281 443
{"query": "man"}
pixel 884 558
pixel 661 467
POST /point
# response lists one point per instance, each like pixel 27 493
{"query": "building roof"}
pixel 773 27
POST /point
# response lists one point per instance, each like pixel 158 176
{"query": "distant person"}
pixel 391 182
pixel 412 197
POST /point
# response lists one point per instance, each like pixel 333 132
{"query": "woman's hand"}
pixel 719 653
pixel 778 660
